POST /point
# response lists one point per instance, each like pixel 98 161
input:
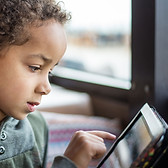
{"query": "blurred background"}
pixel 99 35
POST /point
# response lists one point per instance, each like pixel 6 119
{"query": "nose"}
pixel 43 87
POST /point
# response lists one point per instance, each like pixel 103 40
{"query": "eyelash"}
pixel 34 68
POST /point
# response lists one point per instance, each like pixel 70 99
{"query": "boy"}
pixel 32 42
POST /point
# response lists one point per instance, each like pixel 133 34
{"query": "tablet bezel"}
pixel 155 127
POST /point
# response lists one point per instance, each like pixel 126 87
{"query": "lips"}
pixel 31 106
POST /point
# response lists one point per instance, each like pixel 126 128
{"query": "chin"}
pixel 20 117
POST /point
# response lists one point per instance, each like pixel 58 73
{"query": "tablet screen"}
pixel 129 147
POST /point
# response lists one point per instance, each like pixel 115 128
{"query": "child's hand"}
pixel 87 145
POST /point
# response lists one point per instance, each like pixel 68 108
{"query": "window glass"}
pixel 99 36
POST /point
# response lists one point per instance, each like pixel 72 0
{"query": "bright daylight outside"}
pixel 99 43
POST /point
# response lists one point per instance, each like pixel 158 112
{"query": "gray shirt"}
pixel 23 144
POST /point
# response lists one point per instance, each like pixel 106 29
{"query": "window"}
pixel 99 43
pixel 149 60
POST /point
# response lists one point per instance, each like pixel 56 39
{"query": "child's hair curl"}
pixel 15 15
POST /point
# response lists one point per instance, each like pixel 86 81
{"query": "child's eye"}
pixel 35 68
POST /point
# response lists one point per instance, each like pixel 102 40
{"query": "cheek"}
pixel 23 88
pixel 17 89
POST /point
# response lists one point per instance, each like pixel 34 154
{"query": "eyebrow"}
pixel 42 57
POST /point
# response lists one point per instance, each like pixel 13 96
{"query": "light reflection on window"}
pixel 99 37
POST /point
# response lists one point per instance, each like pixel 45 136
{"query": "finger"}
pixel 103 134
pixel 86 136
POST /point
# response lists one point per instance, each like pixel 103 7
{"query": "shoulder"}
pixel 37 121
pixel 40 131
pixel 40 128
pixel 38 124
pixel 36 116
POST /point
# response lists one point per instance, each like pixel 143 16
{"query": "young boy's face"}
pixel 24 70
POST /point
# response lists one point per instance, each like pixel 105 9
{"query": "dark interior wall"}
pixel 149 51
pixel 111 108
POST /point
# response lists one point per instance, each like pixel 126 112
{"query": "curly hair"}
pixel 15 15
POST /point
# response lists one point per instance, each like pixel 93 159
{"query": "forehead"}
pixel 47 43
pixel 48 40
pixel 49 31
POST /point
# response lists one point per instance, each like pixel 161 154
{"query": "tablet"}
pixel 141 144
